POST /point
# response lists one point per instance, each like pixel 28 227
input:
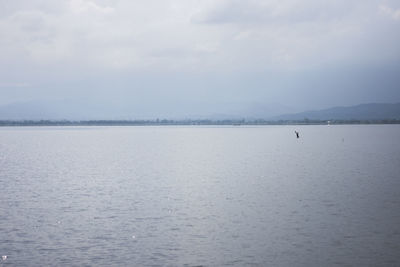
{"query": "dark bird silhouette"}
pixel 297 134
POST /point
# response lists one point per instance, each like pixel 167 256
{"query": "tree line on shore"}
pixel 158 122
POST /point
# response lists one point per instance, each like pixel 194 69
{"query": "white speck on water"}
pixel 133 237
pixel 4 257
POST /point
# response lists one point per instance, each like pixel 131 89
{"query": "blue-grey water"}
pixel 200 196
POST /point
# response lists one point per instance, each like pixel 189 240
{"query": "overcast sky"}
pixel 299 53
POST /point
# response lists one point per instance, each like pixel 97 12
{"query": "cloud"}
pixel 83 6
pixel 289 11
pixel 191 35
pixel 72 46
pixel 391 12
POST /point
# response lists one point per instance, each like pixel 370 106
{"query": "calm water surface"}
pixel 200 196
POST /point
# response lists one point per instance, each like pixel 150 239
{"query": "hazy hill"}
pixel 372 111
pixel 93 110
pixel 86 109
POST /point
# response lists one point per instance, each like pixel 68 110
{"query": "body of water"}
pixel 200 196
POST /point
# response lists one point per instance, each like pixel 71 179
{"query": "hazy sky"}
pixel 300 53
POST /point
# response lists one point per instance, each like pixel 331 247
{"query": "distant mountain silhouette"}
pixel 372 111
pixel 48 110
pixel 86 109
pixel 92 110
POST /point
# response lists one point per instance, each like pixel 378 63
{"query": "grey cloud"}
pixel 244 12
pixel 208 52
pixel 9 8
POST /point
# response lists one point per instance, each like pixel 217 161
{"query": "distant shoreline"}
pixel 205 122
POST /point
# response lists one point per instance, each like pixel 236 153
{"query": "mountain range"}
pixel 86 110
pixel 372 111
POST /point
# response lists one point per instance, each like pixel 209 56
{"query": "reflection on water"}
pixel 212 196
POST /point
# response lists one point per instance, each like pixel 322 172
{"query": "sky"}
pixel 171 58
